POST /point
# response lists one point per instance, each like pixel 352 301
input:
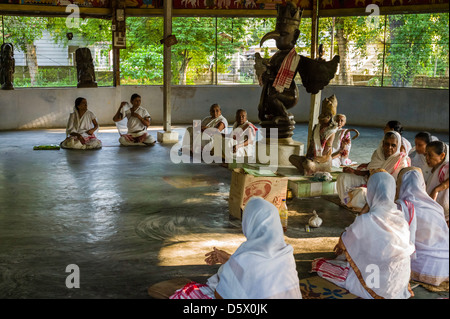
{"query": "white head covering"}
pixel 263 267
pixel 393 163
pixel 380 237
pixel 429 231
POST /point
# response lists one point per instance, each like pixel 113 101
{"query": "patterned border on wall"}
pixel 234 4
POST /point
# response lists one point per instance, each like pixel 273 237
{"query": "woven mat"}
pixel 319 288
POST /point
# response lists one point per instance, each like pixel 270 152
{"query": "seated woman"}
pixel 374 251
pixel 351 183
pixel 318 156
pixel 437 183
pixel 81 127
pixel 263 267
pixel 342 142
pixel 417 155
pixel 429 231
pixel 397 127
pixel 138 120
pixel 240 142
pixel 215 121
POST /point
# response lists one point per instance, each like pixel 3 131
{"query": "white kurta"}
pixel 418 160
pixel 202 139
pixel 429 231
pixel 135 128
pixel 81 125
pixel 436 178
pixel 238 135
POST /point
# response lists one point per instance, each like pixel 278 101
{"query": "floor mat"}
pixel 319 288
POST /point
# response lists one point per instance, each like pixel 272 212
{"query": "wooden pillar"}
pixel 118 36
pixel 315 98
pixel 116 67
pixel 167 67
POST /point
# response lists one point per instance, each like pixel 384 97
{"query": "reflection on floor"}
pixel 129 217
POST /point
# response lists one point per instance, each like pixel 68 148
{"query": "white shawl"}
pixel 437 177
pixel 75 124
pixel 394 163
pixel 378 242
pixel 263 267
pixel 211 122
pixel 318 146
pixel 428 228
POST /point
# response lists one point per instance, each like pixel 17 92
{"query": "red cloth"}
pixel 287 71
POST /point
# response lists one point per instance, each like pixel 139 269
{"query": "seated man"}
pixel 138 120
pixel 215 121
pixel 81 126
pixel 351 185
pixel 240 142
pixel 342 142
pixel 318 156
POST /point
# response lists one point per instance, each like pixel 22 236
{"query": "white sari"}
pixel 419 160
pixel 263 267
pixel 137 134
pixel 351 188
pixel 429 231
pixel 81 125
pixel 203 138
pixel 378 242
pixel 239 134
pixel 437 177
pixel 320 138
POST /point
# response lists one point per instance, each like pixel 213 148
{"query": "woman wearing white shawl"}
pixel 376 247
pixel 437 156
pixel 215 123
pixel 137 121
pixel 396 126
pixel 417 154
pixel 240 142
pixel 429 231
pixel 263 267
pixel 81 126
pixel 351 184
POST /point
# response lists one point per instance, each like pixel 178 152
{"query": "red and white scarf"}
pixel 287 71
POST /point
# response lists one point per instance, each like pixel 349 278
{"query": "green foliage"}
pixel 418 45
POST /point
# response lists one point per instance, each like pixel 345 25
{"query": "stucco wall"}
pixel 367 106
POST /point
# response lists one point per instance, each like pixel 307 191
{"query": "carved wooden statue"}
pixel 277 74
pixel 85 68
pixel 7 66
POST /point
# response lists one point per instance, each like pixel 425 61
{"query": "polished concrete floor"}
pixel 129 217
